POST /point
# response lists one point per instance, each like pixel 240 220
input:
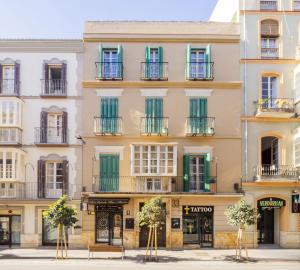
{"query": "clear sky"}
pixel 65 18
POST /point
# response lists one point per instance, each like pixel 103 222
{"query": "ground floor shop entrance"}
pixel 10 230
pixel 267 224
pixel 197 225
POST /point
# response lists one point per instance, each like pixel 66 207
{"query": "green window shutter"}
pixel 100 60
pixel 109 115
pixel 120 61
pixel 208 61
pixel 188 60
pixel 154 114
pixel 109 173
pixel 198 115
pixel 186 173
pixel 160 60
pixel 207 173
pixel 147 64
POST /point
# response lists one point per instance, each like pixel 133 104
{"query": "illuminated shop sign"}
pixel 296 203
pixel 271 203
pixel 190 209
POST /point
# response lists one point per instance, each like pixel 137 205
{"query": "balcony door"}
pixel 8 73
pixel 197 64
pixel 109 115
pixel 154 115
pixel 55 124
pixel 109 172
pixel 152 60
pixel 269 92
pixel 110 65
pixel 198 116
pixel 54 179
pixel 270 155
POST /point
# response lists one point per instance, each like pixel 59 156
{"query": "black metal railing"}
pixel 9 87
pixel 277 171
pixel 154 71
pixel 199 71
pixel 284 105
pixel 51 135
pixel 267 52
pixel 108 125
pixel 109 70
pixel 153 184
pixel 54 87
pixel 30 191
pixel 268 5
pixel 154 126
pixel 200 126
pixel 10 135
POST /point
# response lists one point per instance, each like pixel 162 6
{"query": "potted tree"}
pixel 61 217
pixel 153 216
pixel 241 215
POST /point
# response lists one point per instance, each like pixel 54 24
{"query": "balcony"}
pixel 296 5
pixel 154 126
pixel 51 136
pixel 10 136
pixel 154 71
pixel 108 126
pixel 199 71
pixel 54 88
pixel 269 53
pixel 277 172
pixel 151 184
pixel 9 87
pixel 200 126
pixel 270 5
pixel 29 191
pixel 275 107
pixel 109 71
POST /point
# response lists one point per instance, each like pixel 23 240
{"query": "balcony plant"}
pixel 241 215
pixel 61 217
pixel 153 216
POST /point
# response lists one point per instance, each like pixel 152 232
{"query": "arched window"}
pixel 269 31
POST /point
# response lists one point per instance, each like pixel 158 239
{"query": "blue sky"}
pixel 65 18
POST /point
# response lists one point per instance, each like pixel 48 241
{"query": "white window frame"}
pixel 53 192
pixel 10 107
pixel 9 172
pixel 158 172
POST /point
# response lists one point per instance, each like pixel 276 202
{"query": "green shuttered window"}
pixel 198 116
pixel 154 115
pixel 109 115
pixel 109 172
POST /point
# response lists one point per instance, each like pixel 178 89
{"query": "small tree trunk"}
pixel 65 241
pixel 149 241
pixel 155 242
pixel 152 241
pixel 57 241
pixel 62 241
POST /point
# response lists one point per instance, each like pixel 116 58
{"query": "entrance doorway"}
pixel 109 225
pixel 265 226
pixel 161 234
pixel 198 226
pixel 269 155
pixel 10 230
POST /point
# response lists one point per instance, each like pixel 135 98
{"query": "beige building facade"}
pixel 161 109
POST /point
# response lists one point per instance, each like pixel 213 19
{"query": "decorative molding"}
pixel 54 61
pixel 270 119
pixel 198 92
pixel 110 92
pixel 8 61
pixel 198 150
pixel 230 85
pixel 53 156
pixel 154 92
pixel 54 109
pixel 109 150
pixel 269 61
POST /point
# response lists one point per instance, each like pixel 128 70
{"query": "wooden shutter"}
pixel 64 127
pixel 208 61
pixel 65 189
pixel 1 78
pixel 207 172
pixel 46 78
pixel 186 173
pixel 109 173
pixel 147 64
pixel 41 178
pixel 43 127
pixel 269 28
pixel 188 60
pixel 100 60
pixel 63 83
pixel 120 61
pixel 160 60
pixel 17 79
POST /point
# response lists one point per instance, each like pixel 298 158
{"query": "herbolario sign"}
pixel 270 202
pixel 192 209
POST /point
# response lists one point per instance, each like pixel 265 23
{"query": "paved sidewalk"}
pixel 255 255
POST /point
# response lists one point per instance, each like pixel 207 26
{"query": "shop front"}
pixel 10 229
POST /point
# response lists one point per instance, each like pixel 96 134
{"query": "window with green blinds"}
pixel 109 172
pixel 198 116
pixel 154 115
pixel 109 115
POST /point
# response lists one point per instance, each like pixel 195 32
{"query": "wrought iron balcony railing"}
pixel 54 88
pixel 199 71
pixel 51 136
pixel 154 71
pixel 154 126
pixel 284 105
pixel 109 70
pixel 108 125
pixel 268 5
pixel 30 191
pixel 269 53
pixel 10 136
pixel 9 87
pixel 277 171
pixel 152 184
pixel 200 126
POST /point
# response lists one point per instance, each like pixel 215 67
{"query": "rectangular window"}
pixel 9 113
pixel 154 160
pixel 54 179
pixel 109 115
pixel 110 63
pixel 54 127
pixel 269 87
pixel 8 79
pixel 8 165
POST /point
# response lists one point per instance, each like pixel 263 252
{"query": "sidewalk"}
pixel 262 255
